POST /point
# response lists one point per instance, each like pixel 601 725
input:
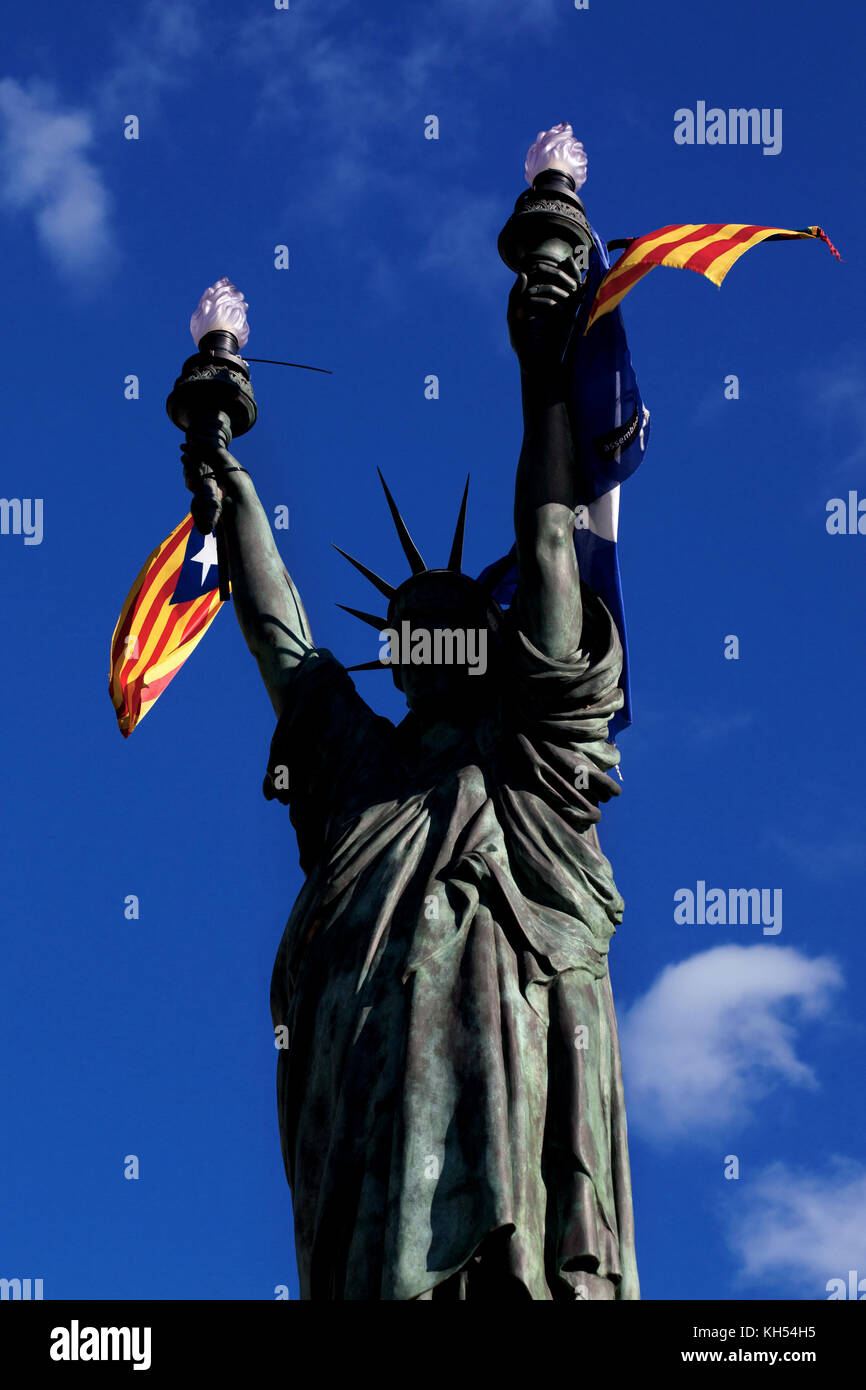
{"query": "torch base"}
pixel 549 209
pixel 213 381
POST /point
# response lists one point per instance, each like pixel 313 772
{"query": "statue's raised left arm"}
pixel 540 315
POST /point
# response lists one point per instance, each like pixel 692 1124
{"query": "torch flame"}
pixel 557 149
pixel 222 306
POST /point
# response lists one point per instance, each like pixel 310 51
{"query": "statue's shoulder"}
pixel 322 728
pixel 584 685
pixel 599 640
pixel 320 676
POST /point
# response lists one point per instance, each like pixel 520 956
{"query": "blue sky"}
pixel 305 127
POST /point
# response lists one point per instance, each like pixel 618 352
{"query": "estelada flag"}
pixel 168 610
pixel 710 248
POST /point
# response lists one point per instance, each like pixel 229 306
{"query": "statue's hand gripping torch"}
pixel 547 240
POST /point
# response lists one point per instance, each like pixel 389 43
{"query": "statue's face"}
pixel 444 661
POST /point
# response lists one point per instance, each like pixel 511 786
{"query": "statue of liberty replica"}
pixel 450 1101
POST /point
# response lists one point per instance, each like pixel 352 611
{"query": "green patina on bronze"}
pixel 453 1068
pixel 450 1102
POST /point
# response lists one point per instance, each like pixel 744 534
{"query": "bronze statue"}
pixel 450 1101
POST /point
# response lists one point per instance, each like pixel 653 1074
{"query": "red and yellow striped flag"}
pixel 168 610
pixel 710 248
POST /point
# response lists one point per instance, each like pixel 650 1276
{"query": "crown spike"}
pixel 455 559
pixel 369 666
pixel 378 623
pixel 384 588
pixel 410 550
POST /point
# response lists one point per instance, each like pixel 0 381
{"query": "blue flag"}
pixel 610 430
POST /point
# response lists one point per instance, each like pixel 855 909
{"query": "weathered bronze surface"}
pixel 450 1102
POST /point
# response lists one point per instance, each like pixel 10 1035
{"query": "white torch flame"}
pixel 557 149
pixel 222 306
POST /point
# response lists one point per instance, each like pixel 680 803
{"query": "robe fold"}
pixel 452 1081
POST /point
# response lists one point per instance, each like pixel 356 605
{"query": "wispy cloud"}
pixel 698 727
pixel 709 1039
pixel 151 52
pixel 336 75
pixel 827 857
pixel 47 173
pixel 48 167
pixel 339 85
pixel 834 397
pixel 361 90
pixel 713 727
pixel 494 17
pixel 465 232
pixel 801 1227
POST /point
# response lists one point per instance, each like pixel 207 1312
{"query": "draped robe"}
pixel 451 1090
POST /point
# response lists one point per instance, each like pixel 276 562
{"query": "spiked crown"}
pixel 426 590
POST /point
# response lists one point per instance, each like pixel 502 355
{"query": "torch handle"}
pixel 206 506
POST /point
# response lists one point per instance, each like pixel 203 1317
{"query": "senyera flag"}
pixel 710 248
pixel 610 424
pixel 168 610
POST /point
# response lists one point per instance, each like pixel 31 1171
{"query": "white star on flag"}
pixel 206 557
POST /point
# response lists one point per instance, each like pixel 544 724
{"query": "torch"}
pixel 549 222
pixel 212 400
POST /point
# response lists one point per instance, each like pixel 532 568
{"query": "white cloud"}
pixel 709 1039
pixel 801 1227
pixel 47 168
pixel 46 172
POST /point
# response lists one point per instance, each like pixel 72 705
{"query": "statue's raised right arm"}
pixel 266 602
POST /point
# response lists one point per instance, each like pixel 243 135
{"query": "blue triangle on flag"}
pixel 199 573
